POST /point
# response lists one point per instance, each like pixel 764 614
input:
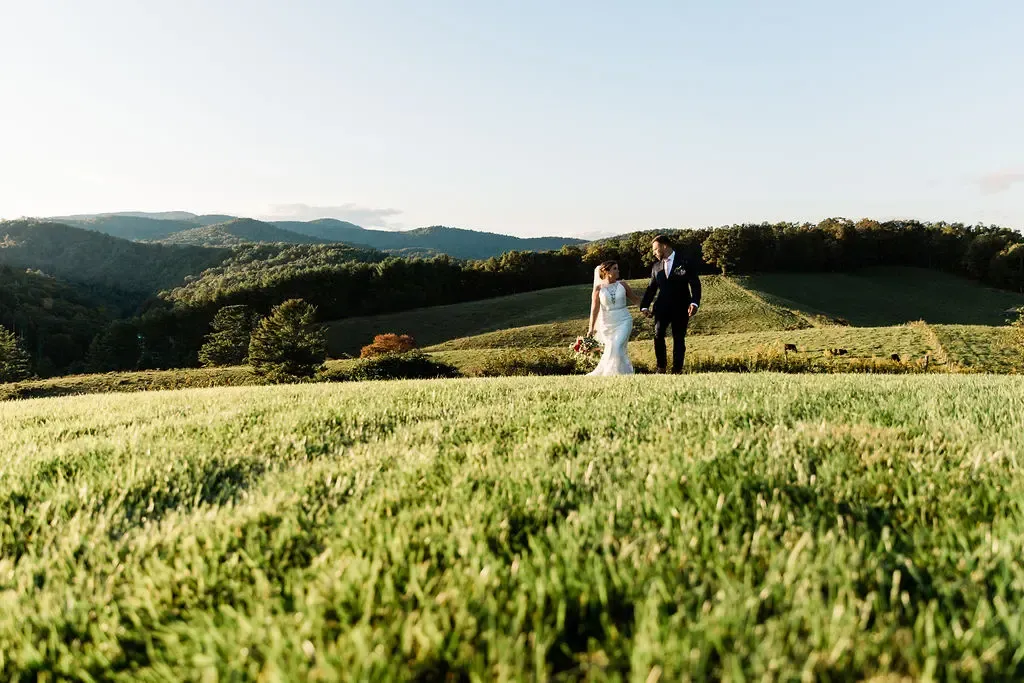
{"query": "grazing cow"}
pixel 895 357
pixel 841 352
pixel 789 347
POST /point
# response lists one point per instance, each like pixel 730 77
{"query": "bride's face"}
pixel 613 273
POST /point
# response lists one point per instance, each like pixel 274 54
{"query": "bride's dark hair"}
pixel 606 266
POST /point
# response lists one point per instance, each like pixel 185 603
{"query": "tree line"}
pixel 990 254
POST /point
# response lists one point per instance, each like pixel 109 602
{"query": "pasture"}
pixel 875 297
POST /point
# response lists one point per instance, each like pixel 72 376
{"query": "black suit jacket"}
pixel 675 290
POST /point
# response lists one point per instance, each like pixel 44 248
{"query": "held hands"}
pixel 692 311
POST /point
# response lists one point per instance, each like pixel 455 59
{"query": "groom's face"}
pixel 660 250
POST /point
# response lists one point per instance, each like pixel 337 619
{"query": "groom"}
pixel 674 279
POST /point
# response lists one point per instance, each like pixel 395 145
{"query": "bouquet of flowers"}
pixel 586 346
pixel 586 351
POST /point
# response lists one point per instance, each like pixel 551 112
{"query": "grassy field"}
pixel 949 348
pixel 762 527
pixel 147 380
pixel 860 342
pixel 911 342
pixel 440 323
pixel 887 296
pixel 980 347
pixel 783 301
pixel 725 308
pixel 550 317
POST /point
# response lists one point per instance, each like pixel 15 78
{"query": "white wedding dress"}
pixel 614 325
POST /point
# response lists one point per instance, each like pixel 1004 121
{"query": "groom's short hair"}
pixel 664 239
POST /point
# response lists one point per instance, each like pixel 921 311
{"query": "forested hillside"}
pixel 55 321
pixel 140 225
pixel 79 255
pixel 344 281
pixel 129 227
pixel 236 232
pixel 455 242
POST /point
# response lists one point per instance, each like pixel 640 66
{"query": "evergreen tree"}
pixel 14 361
pixel 288 343
pixel 116 348
pixel 228 343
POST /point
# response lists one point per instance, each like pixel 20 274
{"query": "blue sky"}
pixel 525 118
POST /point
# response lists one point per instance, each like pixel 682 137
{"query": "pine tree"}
pixel 228 343
pixel 14 361
pixel 115 348
pixel 288 343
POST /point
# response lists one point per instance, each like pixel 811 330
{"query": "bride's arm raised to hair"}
pixel 595 306
pixel 632 296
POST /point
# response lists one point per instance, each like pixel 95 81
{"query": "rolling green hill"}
pixel 238 231
pixel 979 347
pixel 438 324
pixel 141 226
pixel 330 230
pixel 913 343
pixel 253 266
pixel 456 242
pixel 737 319
pixel 131 226
pixel 87 256
pixel 551 317
pixel 887 296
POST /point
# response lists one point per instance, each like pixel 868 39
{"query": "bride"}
pixel 610 321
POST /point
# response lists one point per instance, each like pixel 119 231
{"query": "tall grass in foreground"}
pixel 761 526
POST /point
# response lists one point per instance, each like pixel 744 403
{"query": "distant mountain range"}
pixel 236 232
pixel 184 228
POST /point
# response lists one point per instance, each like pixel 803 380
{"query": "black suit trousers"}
pixel 678 322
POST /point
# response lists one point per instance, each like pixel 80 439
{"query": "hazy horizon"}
pixel 527 120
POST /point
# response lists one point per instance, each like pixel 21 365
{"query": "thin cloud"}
pixel 1001 181
pixel 353 213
